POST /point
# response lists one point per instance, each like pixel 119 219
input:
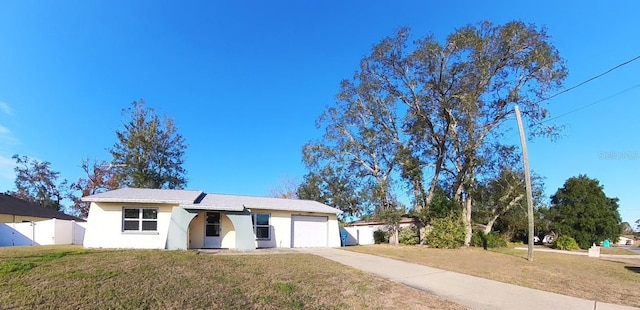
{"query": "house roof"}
pixel 238 203
pixel 146 195
pixel 403 220
pixel 16 206
pixel 199 200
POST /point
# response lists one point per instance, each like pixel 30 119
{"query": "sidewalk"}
pixel 474 292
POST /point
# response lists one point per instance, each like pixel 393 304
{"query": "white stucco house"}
pixel 186 219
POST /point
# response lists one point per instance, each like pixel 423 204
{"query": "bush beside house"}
pixel 446 232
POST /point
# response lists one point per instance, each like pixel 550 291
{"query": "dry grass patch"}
pixel 617 251
pixel 606 280
pixel 74 278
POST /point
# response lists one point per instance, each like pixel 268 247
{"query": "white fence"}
pixel 46 232
pixel 359 235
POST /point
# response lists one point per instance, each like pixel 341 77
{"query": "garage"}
pixel 309 231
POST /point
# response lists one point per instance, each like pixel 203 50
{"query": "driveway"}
pixel 633 248
pixel 474 292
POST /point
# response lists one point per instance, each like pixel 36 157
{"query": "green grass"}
pixel 73 278
pixel 607 280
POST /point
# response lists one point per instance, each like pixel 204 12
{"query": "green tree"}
pixel 423 113
pixel 37 182
pixel 440 206
pixel 333 189
pixel 149 152
pixel 504 194
pixel 580 209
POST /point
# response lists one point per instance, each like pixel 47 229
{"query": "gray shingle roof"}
pixel 15 206
pixel 199 200
pixel 146 195
pixel 238 203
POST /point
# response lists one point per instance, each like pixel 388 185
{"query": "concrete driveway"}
pixel 474 292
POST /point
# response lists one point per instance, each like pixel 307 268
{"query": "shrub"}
pixel 446 232
pixel 494 240
pixel 409 236
pixel 488 241
pixel 565 243
pixel 477 239
pixel 380 236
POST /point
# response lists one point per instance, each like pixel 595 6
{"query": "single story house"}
pixel 626 240
pixel 187 219
pixel 361 232
pixel 16 210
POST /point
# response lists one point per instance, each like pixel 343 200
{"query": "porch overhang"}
pixel 181 217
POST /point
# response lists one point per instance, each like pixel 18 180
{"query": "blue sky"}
pixel 246 80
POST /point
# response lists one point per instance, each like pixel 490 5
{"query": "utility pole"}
pixel 527 181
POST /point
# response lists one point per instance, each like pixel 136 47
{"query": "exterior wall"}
pixel 78 232
pixel 104 227
pixel 227 232
pixel 10 218
pixel 279 229
pixel 281 234
pixel 334 231
pixel 196 232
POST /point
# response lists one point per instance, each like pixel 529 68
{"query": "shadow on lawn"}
pixel 633 268
pixel 48 255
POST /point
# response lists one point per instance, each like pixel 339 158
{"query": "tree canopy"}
pixel 149 152
pixel 580 209
pixel 37 182
pixel 99 178
pixel 425 114
pixel 331 188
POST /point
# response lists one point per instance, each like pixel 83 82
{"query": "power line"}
pixel 590 79
pixel 593 103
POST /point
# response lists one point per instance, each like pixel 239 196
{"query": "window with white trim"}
pixel 140 219
pixel 261 226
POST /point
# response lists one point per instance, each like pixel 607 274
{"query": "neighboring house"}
pixel 626 240
pixel 184 219
pixel 361 232
pixel 26 223
pixel 15 210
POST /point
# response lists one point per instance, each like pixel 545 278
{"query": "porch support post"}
pixel 245 239
pixel 178 235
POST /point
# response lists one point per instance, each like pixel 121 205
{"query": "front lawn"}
pixel 607 280
pixel 74 278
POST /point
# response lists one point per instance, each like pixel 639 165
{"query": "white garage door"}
pixel 309 231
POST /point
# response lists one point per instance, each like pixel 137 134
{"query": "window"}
pixel 212 228
pixel 140 219
pixel 261 225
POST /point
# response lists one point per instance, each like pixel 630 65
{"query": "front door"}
pixel 212 230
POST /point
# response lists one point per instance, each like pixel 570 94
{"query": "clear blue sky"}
pixel 245 81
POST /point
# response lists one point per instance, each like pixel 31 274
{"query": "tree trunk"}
pixel 489 226
pixel 466 217
pixel 419 194
pixel 396 235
